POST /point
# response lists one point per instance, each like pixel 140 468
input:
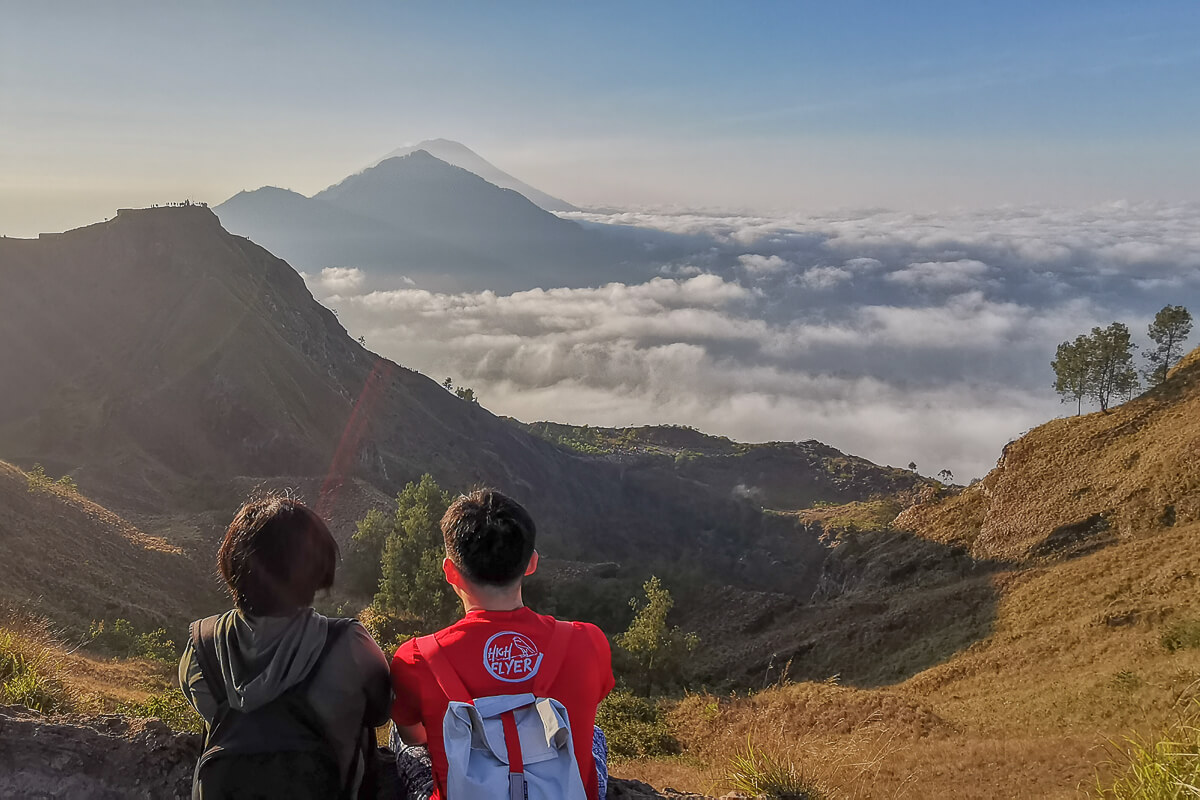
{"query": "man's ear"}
pixel 453 576
pixel 532 568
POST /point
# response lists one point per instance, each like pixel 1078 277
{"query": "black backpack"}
pixel 279 750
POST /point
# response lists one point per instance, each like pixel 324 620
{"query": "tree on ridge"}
pixel 1072 370
pixel 1098 366
pixel 1113 373
pixel 1168 331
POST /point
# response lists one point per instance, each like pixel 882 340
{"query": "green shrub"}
pixel 37 478
pixel 387 629
pixel 168 705
pixel 1164 768
pixel 652 655
pixel 362 565
pixel 1182 635
pixel 635 727
pixel 120 638
pixel 762 774
pixel 27 677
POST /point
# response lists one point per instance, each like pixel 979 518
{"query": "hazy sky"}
pixel 748 105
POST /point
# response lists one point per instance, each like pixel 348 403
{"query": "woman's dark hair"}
pixel 489 537
pixel 276 555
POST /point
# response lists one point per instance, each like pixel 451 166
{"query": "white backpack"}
pixel 514 746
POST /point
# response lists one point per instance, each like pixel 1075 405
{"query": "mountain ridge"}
pixel 189 357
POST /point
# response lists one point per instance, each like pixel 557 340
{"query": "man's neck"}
pixel 491 601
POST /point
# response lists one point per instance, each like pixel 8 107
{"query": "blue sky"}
pixel 767 105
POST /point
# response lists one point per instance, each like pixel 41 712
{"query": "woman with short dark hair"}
pixel 287 695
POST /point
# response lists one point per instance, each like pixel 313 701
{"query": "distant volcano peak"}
pixel 459 155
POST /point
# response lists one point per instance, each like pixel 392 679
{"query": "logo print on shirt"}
pixel 510 656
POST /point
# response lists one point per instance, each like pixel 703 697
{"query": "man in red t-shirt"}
pixel 499 645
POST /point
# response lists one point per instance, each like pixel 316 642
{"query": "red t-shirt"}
pixel 497 652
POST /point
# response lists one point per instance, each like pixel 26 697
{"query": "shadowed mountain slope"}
pixel 442 226
pixel 462 156
pixel 159 358
pixel 781 476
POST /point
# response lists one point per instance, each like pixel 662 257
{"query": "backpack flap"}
pixel 481 722
pixel 473 736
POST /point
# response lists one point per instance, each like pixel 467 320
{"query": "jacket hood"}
pixel 263 657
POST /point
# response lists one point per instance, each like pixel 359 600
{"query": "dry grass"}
pixel 866 515
pixel 864 768
pixel 1075 659
pixel 1161 767
pixel 54 676
pixel 1133 469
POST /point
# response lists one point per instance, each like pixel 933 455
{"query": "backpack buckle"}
pixel 517 788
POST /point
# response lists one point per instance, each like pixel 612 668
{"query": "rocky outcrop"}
pixel 111 757
pixel 96 758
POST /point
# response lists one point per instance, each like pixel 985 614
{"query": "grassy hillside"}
pixel 73 560
pixel 1079 654
pixel 1079 482
pixel 1000 648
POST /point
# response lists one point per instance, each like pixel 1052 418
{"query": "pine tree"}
pixel 411 582
pixel 1072 367
pixel 1170 328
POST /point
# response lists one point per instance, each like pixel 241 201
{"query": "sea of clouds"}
pixel 896 336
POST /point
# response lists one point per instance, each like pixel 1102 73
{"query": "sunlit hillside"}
pixel 1088 641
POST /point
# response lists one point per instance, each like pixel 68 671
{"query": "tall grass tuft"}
pixel 1166 767
pixel 762 774
pixel 1181 635
pixel 27 675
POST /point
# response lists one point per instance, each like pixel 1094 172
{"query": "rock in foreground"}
pixel 111 757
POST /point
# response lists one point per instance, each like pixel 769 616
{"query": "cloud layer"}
pixel 894 336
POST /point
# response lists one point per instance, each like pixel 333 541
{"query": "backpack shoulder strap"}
pixel 559 644
pixel 204 645
pixel 443 671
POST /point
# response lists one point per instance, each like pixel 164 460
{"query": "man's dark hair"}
pixel 276 555
pixel 489 537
